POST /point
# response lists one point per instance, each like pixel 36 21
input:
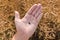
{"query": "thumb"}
pixel 17 15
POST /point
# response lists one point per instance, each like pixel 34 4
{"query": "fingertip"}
pixel 39 4
pixel 35 5
pixel 40 7
pixel 16 14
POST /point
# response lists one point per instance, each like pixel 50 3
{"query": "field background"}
pixel 48 28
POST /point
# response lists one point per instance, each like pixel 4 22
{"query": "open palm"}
pixel 28 24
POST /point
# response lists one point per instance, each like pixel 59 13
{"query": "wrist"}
pixel 15 37
pixel 18 37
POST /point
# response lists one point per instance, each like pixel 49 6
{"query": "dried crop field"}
pixel 48 28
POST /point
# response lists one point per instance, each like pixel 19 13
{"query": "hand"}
pixel 28 24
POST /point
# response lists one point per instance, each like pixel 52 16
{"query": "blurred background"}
pixel 48 28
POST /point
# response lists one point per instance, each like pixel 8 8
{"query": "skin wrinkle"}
pixel 39 11
pixel 33 10
pixel 36 11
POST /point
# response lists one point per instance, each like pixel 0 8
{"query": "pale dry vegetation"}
pixel 48 28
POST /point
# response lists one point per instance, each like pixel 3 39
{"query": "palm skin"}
pixel 28 24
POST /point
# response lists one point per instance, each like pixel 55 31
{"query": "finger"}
pixel 36 21
pixel 17 15
pixel 29 13
pixel 39 11
pixel 30 10
pixel 39 17
pixel 35 11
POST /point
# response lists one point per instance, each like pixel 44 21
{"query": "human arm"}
pixel 28 24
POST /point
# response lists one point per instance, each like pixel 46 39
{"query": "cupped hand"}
pixel 28 24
